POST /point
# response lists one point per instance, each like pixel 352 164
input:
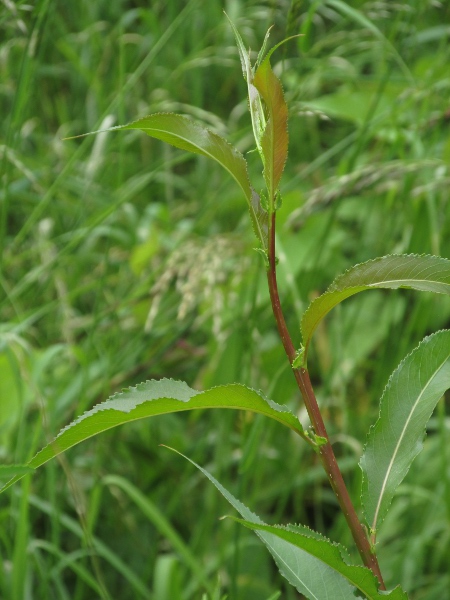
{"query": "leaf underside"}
pixel 423 273
pixel 185 134
pixel 153 398
pixel 397 437
pixel 314 565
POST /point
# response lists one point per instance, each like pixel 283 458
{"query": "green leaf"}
pixel 153 398
pixel 274 141
pixel 406 406
pixel 312 564
pixel 183 133
pixel 260 221
pixel 254 99
pixel 329 555
pixel 7 471
pixel 243 53
pixel 262 51
pixel 424 273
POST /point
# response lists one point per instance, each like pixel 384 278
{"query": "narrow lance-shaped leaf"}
pixel 330 555
pixel 254 100
pixel 257 212
pixel 406 406
pixel 312 564
pixel 7 471
pixel 424 273
pixel 274 141
pixel 183 133
pixel 153 398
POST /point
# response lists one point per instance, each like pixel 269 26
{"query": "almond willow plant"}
pixel 315 566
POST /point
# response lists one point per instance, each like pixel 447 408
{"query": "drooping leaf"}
pixel 183 133
pixel 274 141
pixel 424 273
pixel 312 564
pixel 153 398
pixel 406 406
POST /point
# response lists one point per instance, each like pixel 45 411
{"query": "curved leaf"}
pixel 406 406
pixel 7 471
pixel 312 564
pixel 274 141
pixel 183 133
pixel 424 273
pixel 153 398
pixel 329 556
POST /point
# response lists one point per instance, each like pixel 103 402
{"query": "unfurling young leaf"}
pixel 270 126
pixel 274 141
pixel 254 100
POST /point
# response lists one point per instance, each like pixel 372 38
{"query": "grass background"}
pixel 123 259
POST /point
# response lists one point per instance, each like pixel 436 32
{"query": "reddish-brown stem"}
pixel 325 451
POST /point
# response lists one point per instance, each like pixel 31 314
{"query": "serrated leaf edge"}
pixel 375 426
pixel 364 571
pixel 334 286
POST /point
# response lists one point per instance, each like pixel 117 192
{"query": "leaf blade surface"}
pixel 153 398
pixel 397 437
pixel 423 273
pixel 310 562
pixel 274 141
pixel 185 134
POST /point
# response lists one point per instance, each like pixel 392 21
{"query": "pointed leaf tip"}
pixel 185 134
pixel 153 398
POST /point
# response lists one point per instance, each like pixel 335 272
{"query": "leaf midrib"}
pixel 402 435
pixel 346 576
pixel 361 287
pixel 387 281
pixel 295 574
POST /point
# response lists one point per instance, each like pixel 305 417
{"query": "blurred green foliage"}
pixel 124 259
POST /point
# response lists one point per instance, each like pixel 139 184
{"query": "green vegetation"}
pixel 124 259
